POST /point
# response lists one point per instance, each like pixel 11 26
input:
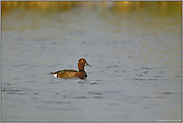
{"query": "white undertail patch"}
pixel 55 75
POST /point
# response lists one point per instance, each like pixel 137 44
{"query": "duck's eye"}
pixel 82 61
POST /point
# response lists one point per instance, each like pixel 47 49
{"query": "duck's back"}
pixel 67 73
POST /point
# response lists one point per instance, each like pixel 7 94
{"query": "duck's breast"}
pixel 81 74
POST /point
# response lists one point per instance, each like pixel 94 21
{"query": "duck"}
pixel 70 73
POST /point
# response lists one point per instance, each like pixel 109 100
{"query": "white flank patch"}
pixel 55 75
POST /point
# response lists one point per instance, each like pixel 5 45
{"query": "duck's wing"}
pixel 67 73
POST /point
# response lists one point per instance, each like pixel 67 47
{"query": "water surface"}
pixel 135 73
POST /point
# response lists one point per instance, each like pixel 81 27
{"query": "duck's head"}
pixel 82 62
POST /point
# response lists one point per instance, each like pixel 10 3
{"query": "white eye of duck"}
pixel 82 61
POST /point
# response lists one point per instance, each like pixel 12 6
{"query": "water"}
pixel 135 73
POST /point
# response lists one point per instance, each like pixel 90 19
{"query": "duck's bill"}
pixel 86 64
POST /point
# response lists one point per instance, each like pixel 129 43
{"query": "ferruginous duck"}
pixel 70 73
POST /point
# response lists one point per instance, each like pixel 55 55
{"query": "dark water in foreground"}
pixel 135 74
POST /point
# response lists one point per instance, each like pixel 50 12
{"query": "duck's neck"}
pixel 81 68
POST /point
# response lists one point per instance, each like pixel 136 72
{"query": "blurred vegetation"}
pixel 58 6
